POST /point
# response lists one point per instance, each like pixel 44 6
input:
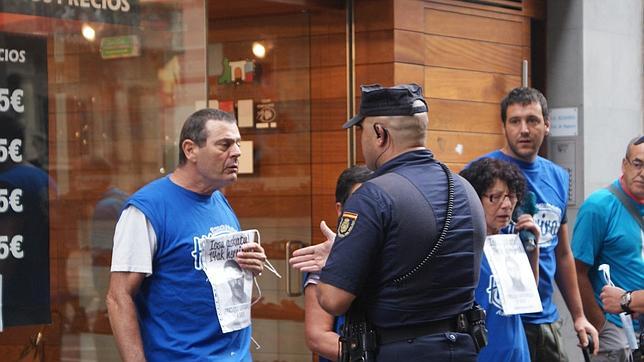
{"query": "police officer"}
pixel 412 275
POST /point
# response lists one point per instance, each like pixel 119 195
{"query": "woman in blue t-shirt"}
pixel 500 185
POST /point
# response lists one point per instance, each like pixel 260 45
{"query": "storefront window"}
pixel 105 87
pixel 92 98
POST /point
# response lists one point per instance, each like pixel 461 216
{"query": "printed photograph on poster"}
pixel 513 275
pixel 231 285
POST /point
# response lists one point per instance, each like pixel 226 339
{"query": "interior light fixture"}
pixel 88 32
pixel 259 50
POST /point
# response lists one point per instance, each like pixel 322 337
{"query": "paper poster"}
pixel 213 104
pixel 24 181
pixel 231 286
pixel 245 113
pixel 246 158
pixel 513 275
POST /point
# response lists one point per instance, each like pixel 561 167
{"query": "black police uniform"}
pixel 380 239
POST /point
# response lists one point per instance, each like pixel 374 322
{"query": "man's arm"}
pixel 318 326
pixel 122 313
pixel 612 299
pixel 566 279
pixel 312 258
pixel 592 310
pixel 334 300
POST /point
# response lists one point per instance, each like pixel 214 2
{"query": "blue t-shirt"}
pixel 381 238
pixel 506 337
pixel 550 184
pixel 175 305
pixel 606 233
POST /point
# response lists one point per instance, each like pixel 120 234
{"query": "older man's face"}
pixel 633 169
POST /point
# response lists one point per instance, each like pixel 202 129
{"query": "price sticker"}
pixel 11 247
pixel 9 99
pixel 11 200
pixel 10 149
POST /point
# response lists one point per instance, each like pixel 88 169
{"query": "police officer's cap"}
pixel 377 100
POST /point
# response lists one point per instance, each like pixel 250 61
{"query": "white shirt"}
pixel 135 243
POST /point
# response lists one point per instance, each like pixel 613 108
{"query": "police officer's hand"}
pixel 312 258
pixel 251 257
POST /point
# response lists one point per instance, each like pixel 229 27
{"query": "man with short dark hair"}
pixel 408 247
pixel 160 302
pixel 320 328
pixel 526 122
pixel 606 232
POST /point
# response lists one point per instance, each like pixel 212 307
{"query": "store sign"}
pixel 563 121
pixel 120 47
pixel 125 12
pixel 24 184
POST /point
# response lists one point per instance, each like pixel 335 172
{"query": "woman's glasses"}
pixel 496 199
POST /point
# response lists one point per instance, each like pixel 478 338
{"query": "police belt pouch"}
pixel 359 339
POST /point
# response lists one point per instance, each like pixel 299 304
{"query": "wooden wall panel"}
pixel 328 82
pixel 476 27
pixel 468 85
pixel 328 114
pixel 246 29
pixel 464 116
pixel 274 180
pixel 282 206
pixel 375 46
pixel 467 54
pixel 373 15
pixel 408 47
pixel 409 73
pixel 461 147
pixel 329 146
pixel 382 73
pixel 274 148
pixel 328 50
pixel 324 177
pixel 325 212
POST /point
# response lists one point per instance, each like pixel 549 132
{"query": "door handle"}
pixel 290 291
pixel 524 73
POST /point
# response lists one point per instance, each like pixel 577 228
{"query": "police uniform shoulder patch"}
pixel 347 221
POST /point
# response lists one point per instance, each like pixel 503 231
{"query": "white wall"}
pixel 612 78
pixel 594 62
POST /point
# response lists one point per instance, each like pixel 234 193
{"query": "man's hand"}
pixel 312 258
pixel 251 257
pixel 583 328
pixel 611 299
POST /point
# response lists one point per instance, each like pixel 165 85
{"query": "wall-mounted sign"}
pixel 563 122
pixel 24 183
pixel 124 12
pixel 120 47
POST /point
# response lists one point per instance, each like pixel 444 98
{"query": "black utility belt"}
pixel 391 335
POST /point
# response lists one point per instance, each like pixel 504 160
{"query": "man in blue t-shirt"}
pixel 321 329
pixel 525 122
pixel 607 233
pixel 160 302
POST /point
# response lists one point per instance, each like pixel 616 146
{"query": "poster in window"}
pixel 24 181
